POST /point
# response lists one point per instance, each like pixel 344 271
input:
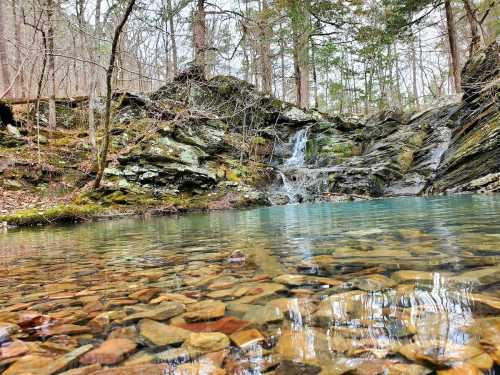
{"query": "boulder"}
pixel 480 70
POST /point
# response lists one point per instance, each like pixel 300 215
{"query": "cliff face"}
pixel 219 143
pixel 450 149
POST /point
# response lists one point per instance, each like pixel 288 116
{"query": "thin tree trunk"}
pixel 301 34
pixel 422 71
pixel 4 64
pixel 265 50
pixel 199 36
pixel 398 81
pixel 94 76
pixel 452 40
pixel 315 75
pixel 365 79
pixel 21 91
pixel 475 43
pixel 103 154
pixel 39 93
pixel 173 42
pixel 51 64
pixel 282 58
pixel 166 46
pixel 413 58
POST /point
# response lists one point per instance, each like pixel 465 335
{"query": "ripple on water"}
pixel 393 286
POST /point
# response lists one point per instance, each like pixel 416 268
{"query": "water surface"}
pixel 390 286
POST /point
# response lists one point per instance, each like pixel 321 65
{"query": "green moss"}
pixel 473 141
pixel 259 141
pixel 405 160
pixel 340 149
pixel 67 213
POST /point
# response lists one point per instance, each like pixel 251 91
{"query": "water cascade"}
pixel 297 159
pixel 298 182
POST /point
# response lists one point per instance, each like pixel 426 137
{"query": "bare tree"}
pixel 173 42
pixel 4 64
pixel 51 68
pixel 265 49
pixel 103 154
pixel 95 55
pixel 301 58
pixel 475 42
pixel 199 36
pixel 18 39
pixel 452 41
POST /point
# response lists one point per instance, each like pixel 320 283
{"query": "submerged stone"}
pixel 172 297
pixel 205 310
pixel 199 368
pixel 227 325
pixel 38 365
pixel 64 329
pixel 111 352
pixel 206 342
pixel 140 369
pixel 246 338
pixel 13 349
pixel 161 334
pixel 288 367
pixel 163 311
pixel 263 314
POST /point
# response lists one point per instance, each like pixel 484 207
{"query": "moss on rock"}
pixel 64 213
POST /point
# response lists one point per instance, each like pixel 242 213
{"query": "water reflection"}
pixel 402 286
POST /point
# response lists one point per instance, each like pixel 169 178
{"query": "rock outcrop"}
pixel 221 143
pixel 450 149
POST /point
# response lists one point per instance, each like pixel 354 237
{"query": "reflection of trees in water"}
pixel 380 319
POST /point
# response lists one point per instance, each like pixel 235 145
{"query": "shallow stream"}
pixel 391 286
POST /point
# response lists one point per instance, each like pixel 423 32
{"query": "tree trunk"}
pixel 365 82
pixel 282 58
pixel 452 40
pixel 21 91
pixel 315 74
pixel 51 64
pixel 4 64
pixel 265 49
pixel 421 67
pixel 475 43
pixel 199 36
pixel 166 46
pixel 96 56
pixel 103 154
pixel 398 81
pixel 173 42
pixel 301 34
pixel 413 58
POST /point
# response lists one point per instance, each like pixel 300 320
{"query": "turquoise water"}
pixel 303 229
pixel 430 266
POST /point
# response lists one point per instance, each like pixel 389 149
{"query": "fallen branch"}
pixel 19 101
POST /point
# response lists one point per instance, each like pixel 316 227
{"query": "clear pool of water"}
pixel 395 286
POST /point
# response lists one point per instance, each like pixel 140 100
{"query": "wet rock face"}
pixel 472 161
pixel 482 69
pixel 450 149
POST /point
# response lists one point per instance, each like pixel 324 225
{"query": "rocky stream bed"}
pixel 366 288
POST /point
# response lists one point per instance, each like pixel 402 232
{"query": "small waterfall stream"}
pixel 295 188
pixel 297 159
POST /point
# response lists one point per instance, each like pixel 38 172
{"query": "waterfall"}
pixel 294 189
pixel 297 182
pixel 299 149
pixel 291 190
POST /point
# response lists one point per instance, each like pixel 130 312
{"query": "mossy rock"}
pixel 65 213
pixel 8 141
